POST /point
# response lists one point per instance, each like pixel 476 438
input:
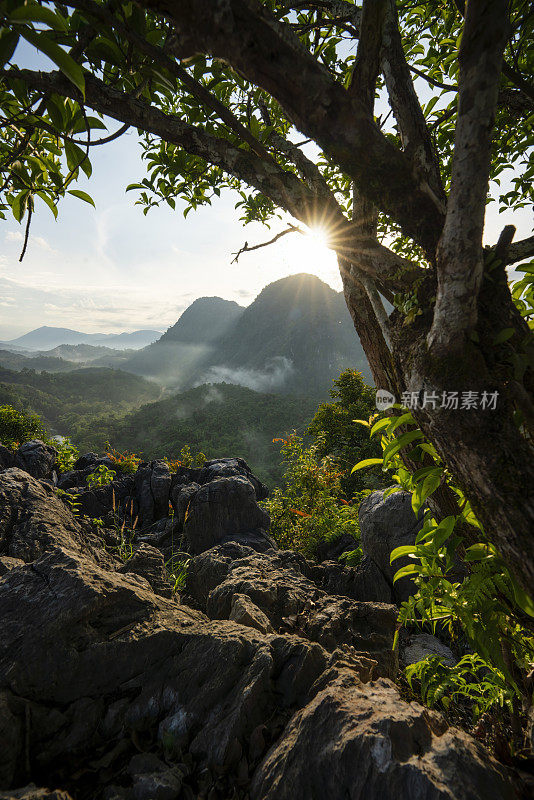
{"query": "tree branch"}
pixel 460 255
pixel 414 132
pixel 249 37
pixel 518 251
pixel 247 249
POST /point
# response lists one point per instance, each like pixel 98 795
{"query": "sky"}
pixel 112 269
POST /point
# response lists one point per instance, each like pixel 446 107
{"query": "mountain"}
pixel 48 338
pixel 294 338
pixel 206 320
pixel 174 357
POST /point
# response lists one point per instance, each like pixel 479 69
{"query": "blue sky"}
pixel 113 269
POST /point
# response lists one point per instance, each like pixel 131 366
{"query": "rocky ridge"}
pixel 266 677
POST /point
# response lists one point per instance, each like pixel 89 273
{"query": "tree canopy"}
pixel 385 123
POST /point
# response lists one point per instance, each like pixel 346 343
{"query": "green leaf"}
pixel 55 53
pixel 8 44
pixel 403 572
pixel 76 157
pixel 50 203
pixel 36 13
pixel 380 425
pixel 503 335
pixel 393 447
pixel 404 550
pixel 367 462
pixel 82 196
pixel 18 206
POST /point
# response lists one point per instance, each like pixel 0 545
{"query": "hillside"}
pixel 216 420
pixel 174 357
pixel 19 361
pixel 74 399
pixel 294 338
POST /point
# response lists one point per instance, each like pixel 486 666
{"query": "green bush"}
pixel 309 507
pixel 17 427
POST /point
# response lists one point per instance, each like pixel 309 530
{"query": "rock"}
pixel 358 740
pixel 114 659
pixel 148 562
pixel 181 497
pixel 152 488
pixel 364 582
pixel 387 523
pixel 37 458
pixel 275 583
pixel 32 792
pixel 223 510
pixel 7 457
pixel 153 779
pixel 421 645
pixel 7 563
pixel 33 520
pixel 331 550
pixel 115 498
pixel 228 468
pixel 244 612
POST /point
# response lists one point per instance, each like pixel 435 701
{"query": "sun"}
pixel 309 252
pixel 318 236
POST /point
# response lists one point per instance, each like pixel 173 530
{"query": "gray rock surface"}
pixel 421 645
pixel 225 509
pixel 37 458
pixel 276 584
pixel 387 523
pixel 372 745
pixel 266 689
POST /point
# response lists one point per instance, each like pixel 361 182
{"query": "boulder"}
pixel 331 550
pixel 231 467
pixel 245 612
pixel 7 457
pixel 355 740
pixel 387 523
pixel 37 458
pixel 115 499
pixel 275 583
pixel 33 521
pixel 226 510
pixel 420 645
pixel 115 660
pixel 147 561
pixel 152 489
pixel 364 582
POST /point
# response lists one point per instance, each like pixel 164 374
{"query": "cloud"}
pixel 277 371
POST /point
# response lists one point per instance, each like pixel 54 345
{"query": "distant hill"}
pixel 174 357
pixel 48 338
pixel 295 338
pixel 206 320
pixel 215 419
pixel 39 363
pixel 72 400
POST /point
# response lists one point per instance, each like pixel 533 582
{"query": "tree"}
pixel 219 91
pixel 336 435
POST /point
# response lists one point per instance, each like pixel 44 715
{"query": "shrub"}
pixel 67 454
pixel 126 462
pixel 309 507
pixel 17 427
pixel 101 476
